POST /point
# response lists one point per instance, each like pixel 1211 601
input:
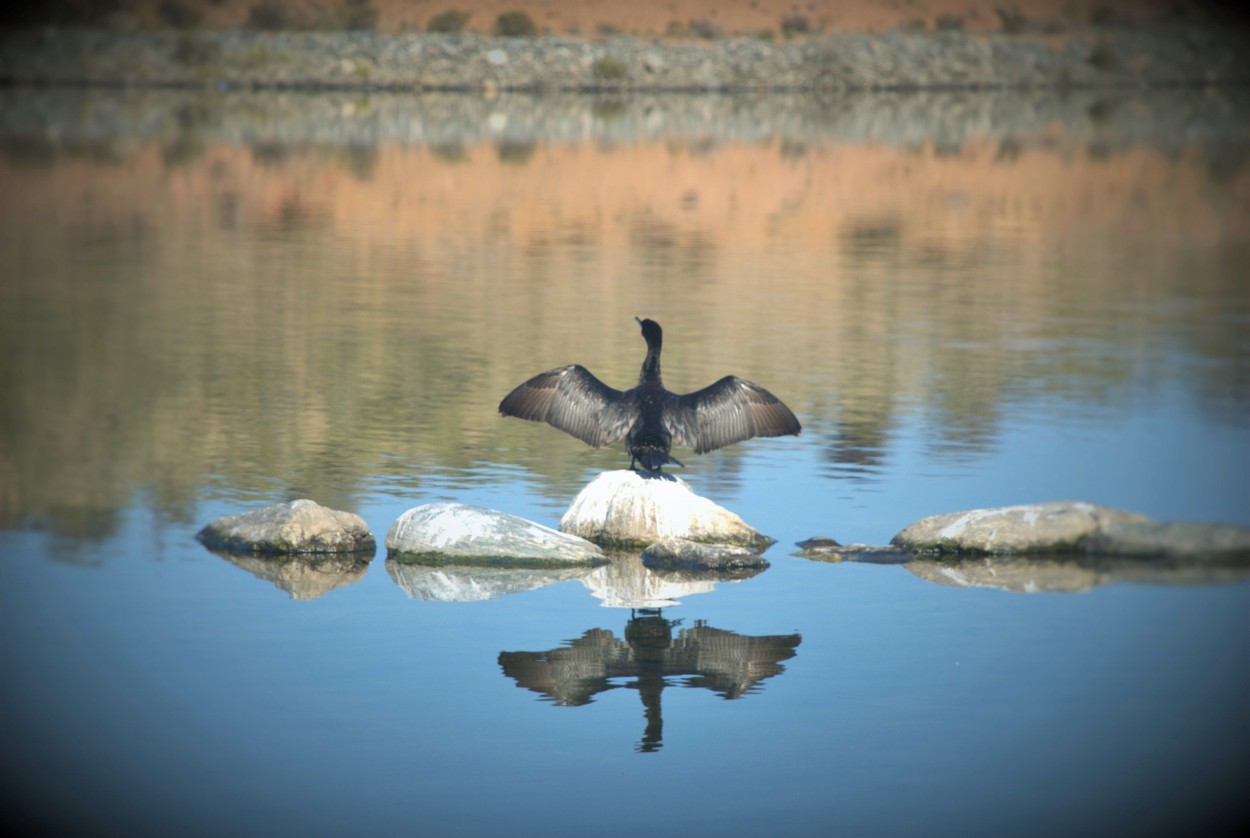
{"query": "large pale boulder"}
pixel 627 509
pixel 460 533
pixel 300 526
pixel 1050 527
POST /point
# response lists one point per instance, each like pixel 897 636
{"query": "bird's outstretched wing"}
pixel 729 411
pixel 573 400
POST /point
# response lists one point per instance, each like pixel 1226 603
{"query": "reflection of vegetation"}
pixel 228 324
pixel 184 149
pixel 1008 150
pixel 871 237
pixel 610 68
pixel 516 151
pixel 271 153
pixel 609 108
pixel 361 160
pixel 450 152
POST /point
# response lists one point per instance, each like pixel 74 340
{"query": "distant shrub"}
pixel 179 14
pixel 515 25
pixel 610 68
pixel 270 15
pixel 1102 56
pixel 792 25
pixel 1013 20
pixel 192 51
pixel 675 29
pixel 358 14
pixel 948 23
pixel 449 21
pixel 709 30
pixel 1104 15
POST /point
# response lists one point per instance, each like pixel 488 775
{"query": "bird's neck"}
pixel 650 367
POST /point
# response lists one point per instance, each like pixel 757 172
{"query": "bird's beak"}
pixel 639 319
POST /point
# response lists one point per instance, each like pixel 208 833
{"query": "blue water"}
pixel 168 362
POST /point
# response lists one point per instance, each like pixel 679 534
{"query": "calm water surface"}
pixel 213 303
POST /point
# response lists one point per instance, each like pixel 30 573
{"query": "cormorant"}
pixel 650 418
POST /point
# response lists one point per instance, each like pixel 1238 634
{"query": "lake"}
pixel 214 302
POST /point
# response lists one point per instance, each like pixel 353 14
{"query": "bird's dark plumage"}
pixel 651 419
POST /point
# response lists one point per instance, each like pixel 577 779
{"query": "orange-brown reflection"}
pixel 193 308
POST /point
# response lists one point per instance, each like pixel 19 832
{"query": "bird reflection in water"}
pixel 724 662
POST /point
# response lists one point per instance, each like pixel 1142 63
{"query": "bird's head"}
pixel 651 332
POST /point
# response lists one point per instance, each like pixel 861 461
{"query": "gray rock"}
pixel 1179 539
pixel 300 526
pixel 457 532
pixel 459 583
pixel 1051 527
pixel 684 554
pixel 625 508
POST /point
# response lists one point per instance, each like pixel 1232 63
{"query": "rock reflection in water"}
pixel 623 583
pixel 304 577
pixel 468 583
pixel 1074 574
pixel 627 583
pixel 729 664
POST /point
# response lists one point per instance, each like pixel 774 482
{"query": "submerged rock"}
pixel 683 554
pixel 300 526
pixel 458 532
pixel 1050 527
pixel 822 548
pixel 624 508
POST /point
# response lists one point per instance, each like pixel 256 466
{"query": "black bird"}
pixel 650 418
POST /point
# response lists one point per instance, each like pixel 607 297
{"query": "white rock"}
pixel 451 532
pixel 625 508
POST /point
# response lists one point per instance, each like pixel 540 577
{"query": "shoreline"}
pixel 1173 55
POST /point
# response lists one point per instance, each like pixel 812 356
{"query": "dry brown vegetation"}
pixel 689 18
